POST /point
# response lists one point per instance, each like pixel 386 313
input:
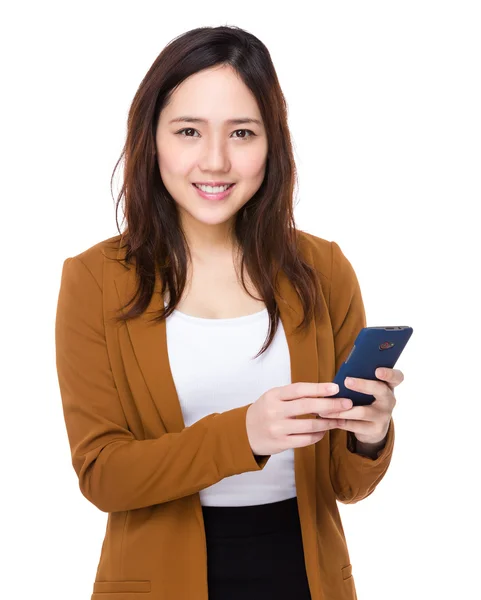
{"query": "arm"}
pixel 354 475
pixel 116 471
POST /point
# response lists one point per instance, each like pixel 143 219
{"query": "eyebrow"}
pixel 240 121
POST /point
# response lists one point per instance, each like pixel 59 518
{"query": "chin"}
pixel 212 219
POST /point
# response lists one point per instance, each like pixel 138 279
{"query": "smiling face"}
pixel 211 150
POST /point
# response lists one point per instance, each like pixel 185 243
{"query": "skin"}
pixel 370 423
pixel 213 151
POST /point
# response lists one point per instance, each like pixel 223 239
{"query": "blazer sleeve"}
pixel 353 476
pixel 116 471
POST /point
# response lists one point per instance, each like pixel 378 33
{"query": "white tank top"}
pixel 212 365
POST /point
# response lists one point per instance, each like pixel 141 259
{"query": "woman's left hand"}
pixel 370 423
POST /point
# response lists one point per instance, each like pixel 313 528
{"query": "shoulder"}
pixel 95 254
pixel 92 258
pixel 327 258
pixel 317 251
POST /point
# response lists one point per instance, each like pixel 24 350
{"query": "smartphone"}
pixel 374 347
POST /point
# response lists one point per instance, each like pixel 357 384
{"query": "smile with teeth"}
pixel 213 190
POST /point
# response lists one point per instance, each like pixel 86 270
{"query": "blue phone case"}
pixel 374 347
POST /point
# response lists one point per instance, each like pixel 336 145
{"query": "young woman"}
pixel 218 459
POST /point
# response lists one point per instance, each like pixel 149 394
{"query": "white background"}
pixel 384 108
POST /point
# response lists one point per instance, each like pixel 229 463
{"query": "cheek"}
pixel 172 165
pixel 251 167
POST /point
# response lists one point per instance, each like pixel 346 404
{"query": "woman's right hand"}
pixel 271 423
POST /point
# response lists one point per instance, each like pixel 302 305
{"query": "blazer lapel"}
pixel 149 342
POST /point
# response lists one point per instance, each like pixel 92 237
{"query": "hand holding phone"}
pixel 374 347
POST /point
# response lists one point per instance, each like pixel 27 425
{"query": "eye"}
pixel 186 129
pixel 245 137
pixel 252 134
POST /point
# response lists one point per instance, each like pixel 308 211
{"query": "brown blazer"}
pixel 136 460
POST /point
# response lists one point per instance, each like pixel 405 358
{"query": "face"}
pixel 215 150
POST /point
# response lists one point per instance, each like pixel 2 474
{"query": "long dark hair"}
pixel 264 229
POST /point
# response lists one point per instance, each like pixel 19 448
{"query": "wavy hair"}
pixel 264 228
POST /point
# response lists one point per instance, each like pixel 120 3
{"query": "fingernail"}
pixel 346 403
pixel 333 387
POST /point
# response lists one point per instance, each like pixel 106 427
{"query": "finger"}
pixel 376 388
pixel 361 427
pixel 392 376
pixel 304 426
pixel 301 389
pixel 321 406
pixel 361 413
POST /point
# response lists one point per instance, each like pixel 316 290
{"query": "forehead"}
pixel 212 97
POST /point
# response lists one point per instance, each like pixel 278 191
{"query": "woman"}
pixel 219 467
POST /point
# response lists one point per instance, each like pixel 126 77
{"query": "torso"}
pixel 214 292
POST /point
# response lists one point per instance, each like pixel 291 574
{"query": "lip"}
pixel 213 183
pixel 219 196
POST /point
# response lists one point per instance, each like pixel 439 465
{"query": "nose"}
pixel 215 156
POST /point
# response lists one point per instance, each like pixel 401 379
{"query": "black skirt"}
pixel 255 552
